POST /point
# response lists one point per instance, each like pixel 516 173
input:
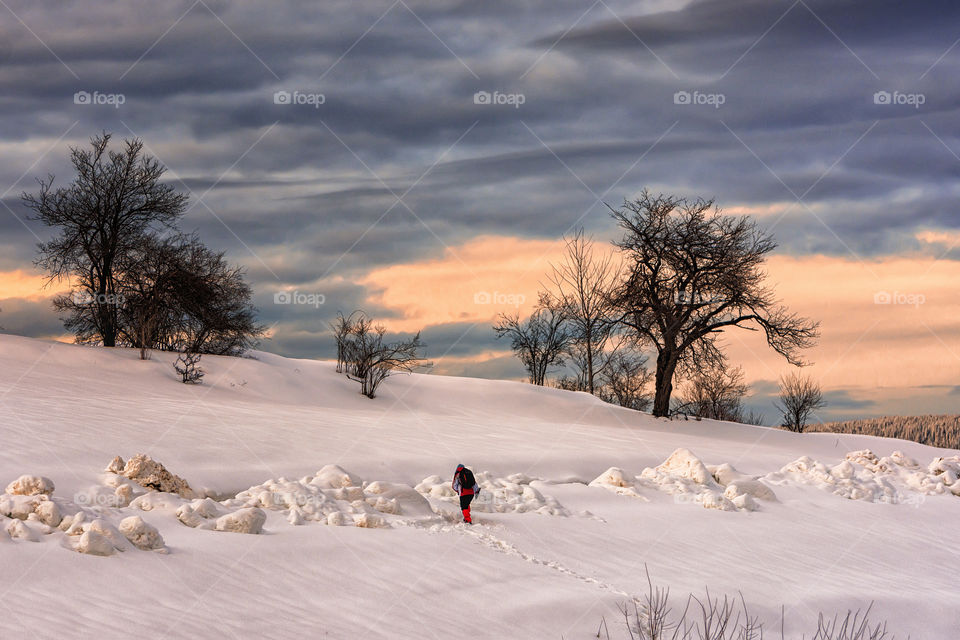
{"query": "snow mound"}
pixel 249 520
pixel 334 477
pixel 681 465
pixel 513 494
pixel 684 476
pixel 141 534
pixel 110 532
pixel 739 484
pixel 150 474
pixel 18 530
pixel 30 486
pixel 95 544
pixel 199 513
pixel 157 500
pixel 336 497
pixel 616 480
pixel 31 507
pixel 862 475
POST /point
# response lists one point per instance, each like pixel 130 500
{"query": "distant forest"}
pixel 936 431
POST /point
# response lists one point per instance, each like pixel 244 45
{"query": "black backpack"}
pixel 466 478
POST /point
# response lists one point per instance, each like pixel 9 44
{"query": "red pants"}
pixel 465 501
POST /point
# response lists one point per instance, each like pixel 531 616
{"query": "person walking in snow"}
pixel 466 487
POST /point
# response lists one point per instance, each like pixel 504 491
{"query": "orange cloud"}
pixel 891 322
pixel 469 283
pixel 20 284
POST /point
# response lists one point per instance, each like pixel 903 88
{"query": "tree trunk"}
pixel 666 365
pixel 590 363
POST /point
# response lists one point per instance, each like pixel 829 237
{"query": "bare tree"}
pixel 625 380
pixel 177 294
pixel 800 396
pixel 369 359
pixel 342 329
pixel 582 284
pixel 692 274
pixel 116 197
pixel 541 341
pixel 715 393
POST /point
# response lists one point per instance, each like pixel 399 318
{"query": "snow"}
pixel 862 475
pixel 30 486
pixel 249 520
pixel 353 530
pixel 141 534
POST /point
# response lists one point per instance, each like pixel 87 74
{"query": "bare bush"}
pixel 365 356
pixel 541 341
pixel 651 617
pixel 188 367
pixel 715 393
pixel 800 396
pixel 625 380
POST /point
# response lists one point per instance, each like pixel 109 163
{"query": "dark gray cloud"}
pixel 301 195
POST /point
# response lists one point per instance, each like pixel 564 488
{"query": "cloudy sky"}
pixel 409 156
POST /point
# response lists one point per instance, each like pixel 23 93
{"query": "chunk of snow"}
pixel 334 477
pixel 150 474
pixel 96 544
pixel 752 488
pixel 18 530
pixel 30 486
pixel 116 465
pixel 48 513
pixel 682 464
pixel 249 520
pixel 370 521
pixel 141 534
pixel 110 532
pixel 196 513
pixel 613 477
pixel 157 500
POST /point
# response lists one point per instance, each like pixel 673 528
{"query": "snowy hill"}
pixel 360 537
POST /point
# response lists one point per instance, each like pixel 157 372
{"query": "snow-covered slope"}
pixel 359 537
